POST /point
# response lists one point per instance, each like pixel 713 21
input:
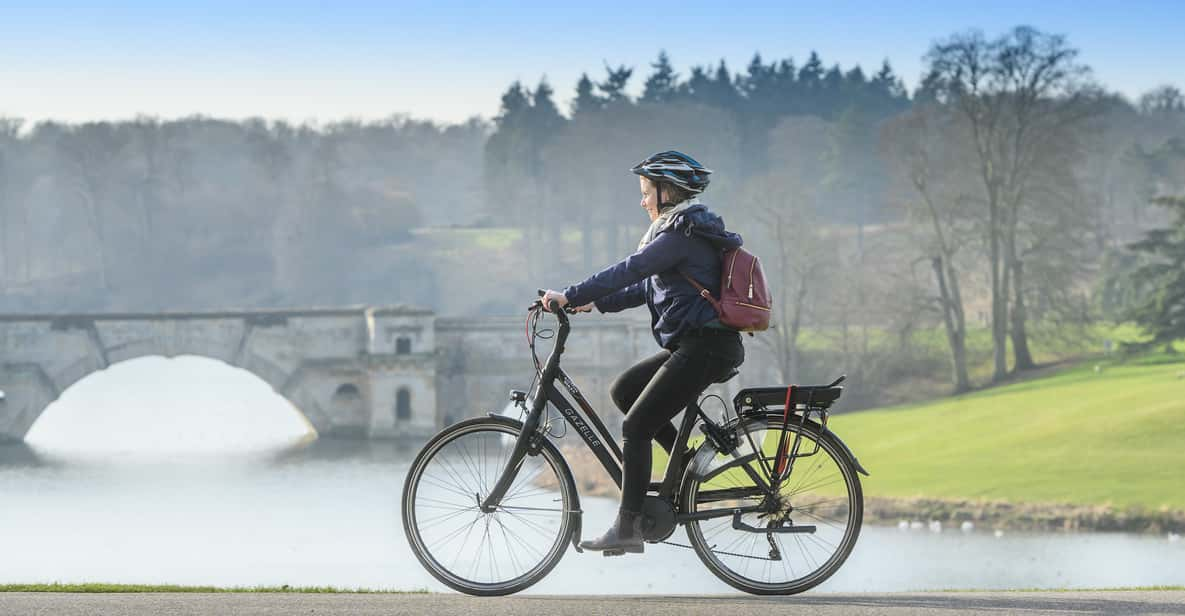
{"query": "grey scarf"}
pixel 663 220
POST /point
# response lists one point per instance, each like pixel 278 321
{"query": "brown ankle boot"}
pixel 624 536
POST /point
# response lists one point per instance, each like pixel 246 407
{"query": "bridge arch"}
pixel 185 403
pixel 305 356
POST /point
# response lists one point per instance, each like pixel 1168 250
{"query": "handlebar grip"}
pixel 552 306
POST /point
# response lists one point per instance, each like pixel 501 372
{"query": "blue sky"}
pixel 449 60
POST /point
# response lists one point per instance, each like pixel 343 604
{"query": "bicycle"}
pixel 770 498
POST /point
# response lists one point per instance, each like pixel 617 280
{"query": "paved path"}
pixel 163 604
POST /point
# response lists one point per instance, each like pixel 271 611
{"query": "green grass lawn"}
pixel 1112 437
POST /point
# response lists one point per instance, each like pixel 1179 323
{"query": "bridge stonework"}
pixel 342 368
pixel 362 372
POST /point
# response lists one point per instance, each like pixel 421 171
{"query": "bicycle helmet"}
pixel 677 168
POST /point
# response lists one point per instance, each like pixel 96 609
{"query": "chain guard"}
pixel 658 519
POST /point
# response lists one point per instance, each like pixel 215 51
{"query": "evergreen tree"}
pixel 785 85
pixel 724 84
pixel 759 110
pixel 586 99
pixel 1162 313
pixel 887 82
pixel 615 82
pixel 758 80
pixel 545 115
pixel 784 76
pixel 855 78
pixel 516 103
pixel 714 88
pixel 833 79
pixel 812 72
pixel 698 86
pixel 662 85
pixel 855 89
pixel 929 89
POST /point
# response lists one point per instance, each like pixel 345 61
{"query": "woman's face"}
pixel 649 197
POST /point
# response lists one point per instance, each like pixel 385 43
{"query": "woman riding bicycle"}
pixel 685 239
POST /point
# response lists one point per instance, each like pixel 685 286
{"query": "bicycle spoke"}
pixel 469 548
pixel 815 491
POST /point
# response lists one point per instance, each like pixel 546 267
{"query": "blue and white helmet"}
pixel 677 168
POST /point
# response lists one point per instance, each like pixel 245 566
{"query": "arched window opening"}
pixel 347 391
pixel 403 346
pixel 403 404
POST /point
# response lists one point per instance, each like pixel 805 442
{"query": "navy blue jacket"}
pixel 692 242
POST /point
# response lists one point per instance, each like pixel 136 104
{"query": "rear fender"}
pixel 826 433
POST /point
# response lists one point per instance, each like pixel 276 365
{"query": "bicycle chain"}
pixel 680 545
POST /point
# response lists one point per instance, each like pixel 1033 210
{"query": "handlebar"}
pixel 553 307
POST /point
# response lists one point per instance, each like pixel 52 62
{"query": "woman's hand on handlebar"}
pixel 550 296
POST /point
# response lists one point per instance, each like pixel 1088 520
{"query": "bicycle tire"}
pixel 711 554
pixel 568 519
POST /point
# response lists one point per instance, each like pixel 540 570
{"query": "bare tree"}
pixel 1014 93
pixel 924 147
pixel 1164 99
pixel 9 129
pixel 90 153
pixel 785 202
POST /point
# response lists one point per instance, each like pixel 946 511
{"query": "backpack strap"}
pixel 703 291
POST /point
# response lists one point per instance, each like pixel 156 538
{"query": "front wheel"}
pixel 822 493
pixel 495 553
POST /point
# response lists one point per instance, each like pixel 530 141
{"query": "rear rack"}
pixel 803 396
pixel 796 403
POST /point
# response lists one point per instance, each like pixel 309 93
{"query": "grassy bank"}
pixel 149 588
pixel 1113 436
pixel 1083 448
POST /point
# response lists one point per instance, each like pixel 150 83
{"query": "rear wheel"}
pixel 475 552
pixel 822 491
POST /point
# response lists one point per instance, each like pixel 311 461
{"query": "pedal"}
pixel 619 552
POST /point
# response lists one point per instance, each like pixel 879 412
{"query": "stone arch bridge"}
pixel 359 372
pixel 354 372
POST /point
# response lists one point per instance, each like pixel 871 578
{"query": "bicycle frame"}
pixel 592 430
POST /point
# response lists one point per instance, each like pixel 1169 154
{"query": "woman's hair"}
pixel 669 194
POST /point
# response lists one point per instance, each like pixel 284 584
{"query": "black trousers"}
pixel 654 390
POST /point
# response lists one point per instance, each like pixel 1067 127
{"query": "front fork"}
pixel 528 442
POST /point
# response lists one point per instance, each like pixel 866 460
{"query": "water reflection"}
pixel 254 504
pixel 19 455
pixel 328 513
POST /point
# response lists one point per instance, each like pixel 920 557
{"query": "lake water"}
pixel 170 486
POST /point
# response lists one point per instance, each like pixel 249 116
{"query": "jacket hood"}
pixel 702 222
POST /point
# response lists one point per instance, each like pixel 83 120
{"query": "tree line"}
pixel 199 212
pixel 1009 173
pixel 1002 193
